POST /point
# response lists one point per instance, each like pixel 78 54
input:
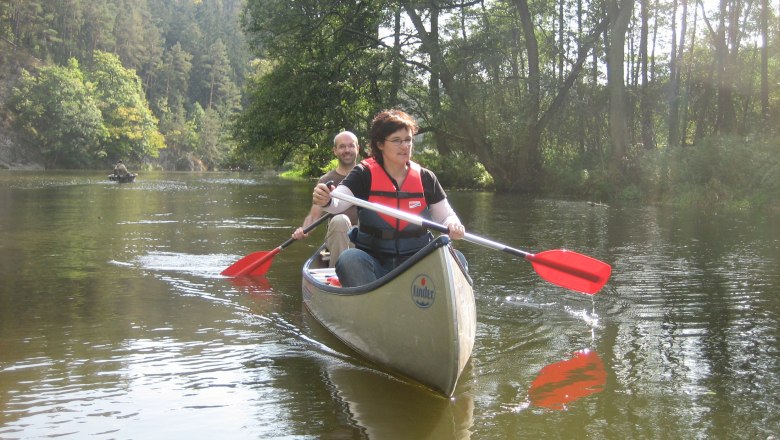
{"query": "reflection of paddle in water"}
pixel 563 382
pixel 255 286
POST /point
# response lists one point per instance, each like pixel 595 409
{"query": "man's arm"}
pixel 314 213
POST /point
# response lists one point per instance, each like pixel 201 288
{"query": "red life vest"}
pixel 409 198
pixel 387 234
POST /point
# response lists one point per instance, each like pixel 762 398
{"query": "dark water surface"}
pixel 115 322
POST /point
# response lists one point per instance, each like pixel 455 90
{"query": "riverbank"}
pixel 12 155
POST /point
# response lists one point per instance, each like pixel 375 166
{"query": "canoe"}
pixel 122 179
pixel 417 322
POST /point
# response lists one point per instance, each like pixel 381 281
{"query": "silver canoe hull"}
pixel 419 321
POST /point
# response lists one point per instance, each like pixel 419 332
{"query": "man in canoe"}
pixel 390 178
pixel 120 170
pixel 345 148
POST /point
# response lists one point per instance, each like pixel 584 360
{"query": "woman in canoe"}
pixel 389 177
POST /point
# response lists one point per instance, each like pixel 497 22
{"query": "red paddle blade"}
pixel 571 270
pixel 566 381
pixel 256 263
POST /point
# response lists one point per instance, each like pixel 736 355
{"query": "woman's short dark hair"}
pixel 386 123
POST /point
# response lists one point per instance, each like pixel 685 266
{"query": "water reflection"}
pixel 569 380
pixel 259 288
pixel 383 407
pixel 115 322
pixel 378 405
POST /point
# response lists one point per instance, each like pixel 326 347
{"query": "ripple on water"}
pixel 137 386
pixel 207 266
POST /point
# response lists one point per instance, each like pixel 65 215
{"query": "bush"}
pixel 456 170
pixel 732 172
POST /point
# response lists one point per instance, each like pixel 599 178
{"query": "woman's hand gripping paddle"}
pixel 564 268
pixel 258 263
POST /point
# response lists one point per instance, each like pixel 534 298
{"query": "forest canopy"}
pixel 79 118
pixel 188 60
pixel 604 99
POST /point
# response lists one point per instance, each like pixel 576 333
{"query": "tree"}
pixel 765 13
pixel 619 13
pixel 96 34
pixel 210 139
pixel 59 113
pixel 675 64
pixel 220 89
pixel 131 125
pixel 322 71
pixel 646 103
pixel 172 45
pixel 498 108
pixel 172 78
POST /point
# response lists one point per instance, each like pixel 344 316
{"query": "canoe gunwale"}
pixel 129 178
pixel 440 241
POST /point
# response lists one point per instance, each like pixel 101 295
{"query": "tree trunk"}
pixel 472 130
pixel 674 86
pixel 765 61
pixel 648 138
pixel 433 82
pixel 726 116
pixel 396 68
pixel 619 16
pixel 684 103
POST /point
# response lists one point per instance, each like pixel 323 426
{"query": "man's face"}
pixel 345 150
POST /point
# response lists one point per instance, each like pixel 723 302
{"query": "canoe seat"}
pixel 326 275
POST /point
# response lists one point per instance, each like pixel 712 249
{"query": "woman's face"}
pixel 397 148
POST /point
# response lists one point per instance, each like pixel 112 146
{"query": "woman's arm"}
pixel 321 197
pixel 442 212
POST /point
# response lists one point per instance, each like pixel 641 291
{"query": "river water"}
pixel 115 322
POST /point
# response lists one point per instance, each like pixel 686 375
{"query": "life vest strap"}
pixel 387 234
pixel 398 194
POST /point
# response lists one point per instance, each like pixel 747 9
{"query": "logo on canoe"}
pixel 423 291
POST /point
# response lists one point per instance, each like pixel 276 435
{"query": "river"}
pixel 115 321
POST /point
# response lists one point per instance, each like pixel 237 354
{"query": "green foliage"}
pixel 173 76
pixel 81 120
pixel 455 170
pixel 472 80
pixel 184 53
pixel 734 172
pixel 131 125
pixel 318 76
pixel 58 110
pixel 302 166
pixel 211 137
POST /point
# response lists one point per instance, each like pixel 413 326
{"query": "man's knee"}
pixel 339 223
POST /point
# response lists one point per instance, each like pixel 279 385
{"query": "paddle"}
pixel 258 263
pixel 561 267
